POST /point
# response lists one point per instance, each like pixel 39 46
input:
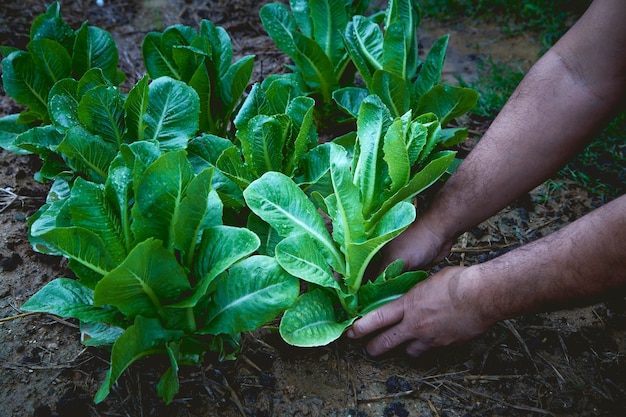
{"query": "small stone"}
pixel 10 263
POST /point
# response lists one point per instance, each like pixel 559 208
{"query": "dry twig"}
pixel 513 330
pixel 17 316
pixel 501 401
pixel 7 197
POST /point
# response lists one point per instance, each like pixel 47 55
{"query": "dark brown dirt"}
pixel 564 364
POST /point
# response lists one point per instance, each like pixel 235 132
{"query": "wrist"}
pixel 478 296
pixel 440 232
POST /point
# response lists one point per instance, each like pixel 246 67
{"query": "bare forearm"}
pixel 522 148
pixel 566 97
pixel 575 265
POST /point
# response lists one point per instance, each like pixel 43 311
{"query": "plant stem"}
pixel 191 319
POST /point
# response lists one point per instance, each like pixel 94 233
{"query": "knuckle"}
pixel 387 341
pixel 378 317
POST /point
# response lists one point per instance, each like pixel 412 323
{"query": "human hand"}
pixel 436 312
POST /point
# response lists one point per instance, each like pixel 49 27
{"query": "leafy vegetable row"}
pixel 191 212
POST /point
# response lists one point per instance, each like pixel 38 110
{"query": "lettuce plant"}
pixel 77 118
pixel 55 51
pixel 275 128
pixel 57 58
pixel 91 120
pixel 158 272
pixel 204 61
pixel 386 57
pixel 310 33
pixel 275 131
pixel 394 159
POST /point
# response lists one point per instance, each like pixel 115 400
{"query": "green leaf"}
pixel 205 150
pixel 395 220
pixel 277 199
pixel 395 50
pixel 263 146
pixel 188 59
pixel 430 122
pixel 82 246
pixel 138 156
pixel 301 113
pixel 234 83
pixel 90 209
pixel 28 86
pixel 231 163
pixel 302 14
pixel 203 85
pixel 360 254
pixel 315 66
pixel 145 337
pixel 406 14
pixel 101 110
pixel 9 131
pixel 380 292
pixel 199 209
pixel 50 25
pixel 396 154
pixel 311 321
pixel 275 126
pixel 135 107
pixel 280 90
pixel 314 168
pixel 242 304
pixel 329 20
pixel 393 90
pixel 158 62
pixel 168 385
pixel 51 59
pixel 69 298
pixel 90 155
pixel 158 197
pixel 45 219
pixel 63 104
pixel 149 278
pixel 172 113
pixel 281 26
pixel 268 236
pixel 255 103
pixel 364 42
pixel 349 99
pixel 370 171
pixel 447 102
pixel 99 335
pixel 453 136
pixel 344 206
pixel 416 140
pixel 220 248
pixel 158 50
pixel 95 48
pixel 298 255
pixel 221 51
pixel 119 193
pixel 430 72
pixel 418 183
pixel 91 79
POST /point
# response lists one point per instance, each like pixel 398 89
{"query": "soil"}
pixel 566 363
